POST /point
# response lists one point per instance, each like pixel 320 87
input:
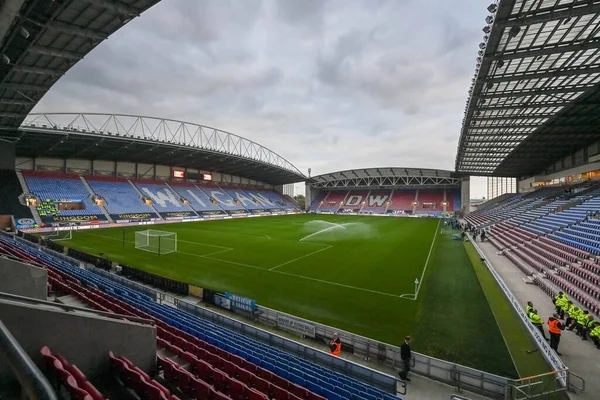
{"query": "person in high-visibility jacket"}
pixel 538 322
pixel 582 320
pixel 595 334
pixel 335 345
pixel 529 308
pixel 573 313
pixel 555 328
pixel 560 301
pixel 587 328
pixel 576 315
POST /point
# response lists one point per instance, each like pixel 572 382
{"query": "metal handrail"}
pixel 33 382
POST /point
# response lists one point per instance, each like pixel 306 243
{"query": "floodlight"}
pixel 24 33
pixel 482 45
pixel 487 29
pixel 5 59
pixel 514 31
pixel 492 8
pixel 489 19
pixel 500 63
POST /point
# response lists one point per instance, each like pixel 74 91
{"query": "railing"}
pixel 68 308
pixel 33 383
pixel 544 384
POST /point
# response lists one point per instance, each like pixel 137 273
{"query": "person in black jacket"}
pixel 405 355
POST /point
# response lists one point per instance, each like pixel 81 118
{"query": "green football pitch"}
pixel 351 272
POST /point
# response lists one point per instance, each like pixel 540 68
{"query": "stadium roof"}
pixel 40 40
pixel 385 177
pixel 148 140
pixel 535 96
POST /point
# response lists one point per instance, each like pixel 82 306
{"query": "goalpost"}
pixel 59 235
pixel 154 241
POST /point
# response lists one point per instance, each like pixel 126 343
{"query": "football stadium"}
pixel 143 257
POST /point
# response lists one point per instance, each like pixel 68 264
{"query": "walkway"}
pixel 581 357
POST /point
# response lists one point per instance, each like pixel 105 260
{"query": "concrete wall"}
pixel 83 338
pixel 23 279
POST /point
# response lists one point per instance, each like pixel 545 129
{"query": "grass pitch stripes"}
pixel 350 278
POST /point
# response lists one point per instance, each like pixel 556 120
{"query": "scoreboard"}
pixel 191 175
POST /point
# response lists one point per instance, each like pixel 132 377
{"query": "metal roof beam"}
pixel 540 75
pixel 115 6
pixel 513 117
pixel 12 115
pixel 544 51
pixel 73 30
pixel 16 102
pixel 23 86
pixel 528 105
pixel 549 15
pixel 36 70
pixel 48 51
pixel 502 126
pixel 536 92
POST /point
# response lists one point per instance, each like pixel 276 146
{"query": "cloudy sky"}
pixel 328 84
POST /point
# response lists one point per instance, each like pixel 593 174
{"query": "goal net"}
pixel 59 235
pixel 153 241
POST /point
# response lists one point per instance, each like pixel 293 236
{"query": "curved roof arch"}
pixel 148 140
pixel 385 178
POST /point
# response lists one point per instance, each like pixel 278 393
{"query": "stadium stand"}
pixel 53 188
pixel 276 199
pixel 196 357
pixel 163 197
pixel 224 199
pixel 377 202
pixel 429 200
pixel 551 233
pixel 244 199
pixel 333 201
pixel 120 196
pixel 402 201
pixel 199 201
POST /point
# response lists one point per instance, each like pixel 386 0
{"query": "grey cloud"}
pixel 330 85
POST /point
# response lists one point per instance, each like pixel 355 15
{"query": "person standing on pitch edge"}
pixel 555 328
pixel 405 355
pixel 335 346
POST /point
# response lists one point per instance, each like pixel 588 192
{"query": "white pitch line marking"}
pixel 267 270
pixel 300 258
pixel 437 228
pixel 337 284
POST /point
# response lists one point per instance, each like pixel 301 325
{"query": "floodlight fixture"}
pixel 5 59
pixel 489 19
pixel 24 33
pixel 492 8
pixel 487 29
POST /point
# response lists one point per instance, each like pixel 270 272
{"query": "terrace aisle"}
pixel 581 357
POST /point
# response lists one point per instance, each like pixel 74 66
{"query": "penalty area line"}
pixel 300 258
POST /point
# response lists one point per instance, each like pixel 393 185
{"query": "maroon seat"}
pixel 244 376
pixel 253 394
pixel 92 391
pixel 214 395
pixel 263 373
pixel 279 393
pixel 76 373
pixel 61 374
pixel 281 382
pixel 236 389
pixel 214 360
pixel 228 367
pixel 201 389
pixel 184 381
pixel 149 391
pixel 220 380
pixel 299 391
pixel 262 385
pixel 76 392
pixel 204 371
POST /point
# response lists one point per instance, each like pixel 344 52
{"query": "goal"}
pixel 59 235
pixel 153 241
